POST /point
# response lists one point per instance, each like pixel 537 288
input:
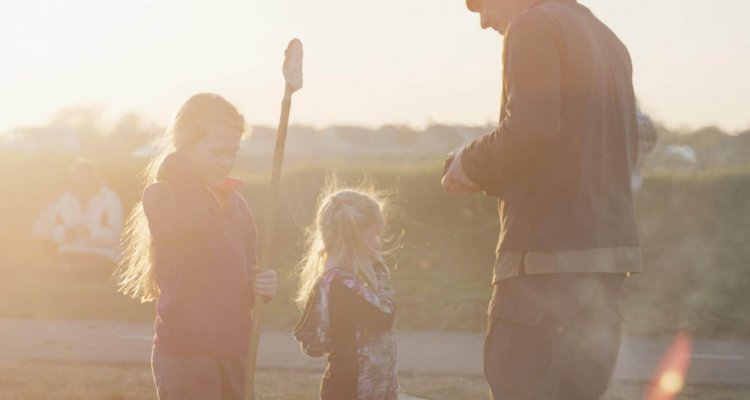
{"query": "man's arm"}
pixel 531 121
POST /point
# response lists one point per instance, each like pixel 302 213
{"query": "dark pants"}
pixel 553 336
pixel 198 377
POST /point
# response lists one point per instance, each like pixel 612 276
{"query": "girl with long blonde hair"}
pixel 191 246
pixel 348 303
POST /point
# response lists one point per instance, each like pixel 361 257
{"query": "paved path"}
pixel 419 352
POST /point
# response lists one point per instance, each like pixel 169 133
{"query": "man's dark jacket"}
pixel 560 160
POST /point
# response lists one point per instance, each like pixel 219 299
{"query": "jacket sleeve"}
pixel 359 310
pixel 176 206
pixel 108 232
pixel 530 120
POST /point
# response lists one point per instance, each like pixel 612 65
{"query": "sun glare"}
pixel 671 382
pixel 669 379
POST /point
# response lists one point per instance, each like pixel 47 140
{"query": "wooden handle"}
pixel 266 255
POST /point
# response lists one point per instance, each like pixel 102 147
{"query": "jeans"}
pixel 553 337
pixel 180 377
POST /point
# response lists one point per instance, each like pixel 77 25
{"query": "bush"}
pixel 693 230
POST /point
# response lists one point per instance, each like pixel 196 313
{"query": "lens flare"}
pixel 670 377
pixel 671 382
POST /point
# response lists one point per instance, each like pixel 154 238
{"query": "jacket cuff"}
pixel 471 164
pixel 477 168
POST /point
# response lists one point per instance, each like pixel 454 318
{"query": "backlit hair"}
pixel 342 218
pixel 136 273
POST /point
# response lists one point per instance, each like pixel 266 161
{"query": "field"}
pixel 693 229
pixel 67 381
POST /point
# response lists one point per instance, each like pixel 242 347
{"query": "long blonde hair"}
pixel 136 273
pixel 342 217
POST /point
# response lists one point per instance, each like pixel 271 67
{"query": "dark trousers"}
pixel 198 377
pixel 553 336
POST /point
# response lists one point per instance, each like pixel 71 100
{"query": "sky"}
pixel 411 62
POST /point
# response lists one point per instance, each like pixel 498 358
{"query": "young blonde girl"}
pixel 348 303
pixel 192 248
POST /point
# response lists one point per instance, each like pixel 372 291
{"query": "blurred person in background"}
pixel 85 223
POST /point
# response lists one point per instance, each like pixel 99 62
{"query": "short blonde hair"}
pixel 342 217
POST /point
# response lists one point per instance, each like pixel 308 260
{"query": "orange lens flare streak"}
pixel 669 379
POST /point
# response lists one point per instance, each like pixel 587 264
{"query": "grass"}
pixel 44 292
pixel 693 234
pixel 23 380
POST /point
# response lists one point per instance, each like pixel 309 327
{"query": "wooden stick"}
pixel 293 77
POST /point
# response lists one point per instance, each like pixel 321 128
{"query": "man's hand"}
pixel 265 283
pixel 455 179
